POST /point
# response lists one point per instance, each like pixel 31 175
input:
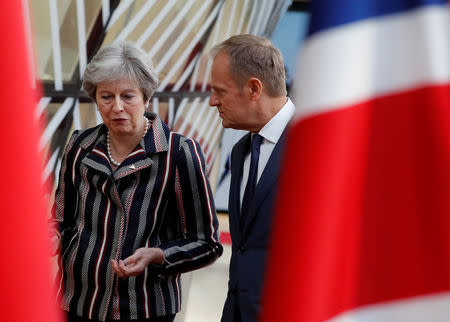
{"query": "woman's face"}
pixel 121 105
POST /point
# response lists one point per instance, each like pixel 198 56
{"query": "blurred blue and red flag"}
pixel 363 215
pixel 25 277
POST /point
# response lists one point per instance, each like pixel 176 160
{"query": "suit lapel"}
pixel 267 182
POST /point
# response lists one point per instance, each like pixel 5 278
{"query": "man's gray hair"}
pixel 253 56
pixel 117 61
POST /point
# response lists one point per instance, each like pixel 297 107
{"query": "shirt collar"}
pixel 275 127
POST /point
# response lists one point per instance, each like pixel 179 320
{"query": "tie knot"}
pixel 256 141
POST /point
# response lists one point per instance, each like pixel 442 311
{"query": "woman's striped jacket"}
pixel 158 197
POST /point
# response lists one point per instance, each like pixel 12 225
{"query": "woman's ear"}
pixel 255 88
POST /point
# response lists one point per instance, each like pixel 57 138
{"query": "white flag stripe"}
pixel 433 308
pixel 368 61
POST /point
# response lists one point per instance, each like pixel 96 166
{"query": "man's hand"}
pixel 136 263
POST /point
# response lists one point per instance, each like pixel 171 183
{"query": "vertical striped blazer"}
pixel 158 197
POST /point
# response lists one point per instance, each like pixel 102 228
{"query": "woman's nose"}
pixel 118 105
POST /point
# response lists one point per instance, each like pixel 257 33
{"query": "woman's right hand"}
pixel 136 263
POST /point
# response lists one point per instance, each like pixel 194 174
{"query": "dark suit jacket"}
pixel 250 242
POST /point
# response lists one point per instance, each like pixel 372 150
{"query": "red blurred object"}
pixel 25 276
pixel 362 216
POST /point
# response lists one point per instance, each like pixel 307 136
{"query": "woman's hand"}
pixel 136 263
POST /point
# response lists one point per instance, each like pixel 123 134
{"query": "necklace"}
pixel 108 144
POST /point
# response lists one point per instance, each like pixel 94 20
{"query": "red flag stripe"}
pixel 379 204
pixel 373 57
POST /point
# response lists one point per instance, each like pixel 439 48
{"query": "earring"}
pixel 146 105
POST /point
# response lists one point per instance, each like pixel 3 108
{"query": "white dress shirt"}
pixel 271 133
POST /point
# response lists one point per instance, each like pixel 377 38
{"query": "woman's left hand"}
pixel 136 263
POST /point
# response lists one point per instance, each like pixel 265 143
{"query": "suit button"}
pixel 242 249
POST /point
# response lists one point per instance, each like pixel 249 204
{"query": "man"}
pixel 249 91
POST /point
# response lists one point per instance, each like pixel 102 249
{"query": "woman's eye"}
pixel 128 96
pixel 105 97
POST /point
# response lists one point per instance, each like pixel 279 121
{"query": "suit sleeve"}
pixel 64 207
pixel 199 243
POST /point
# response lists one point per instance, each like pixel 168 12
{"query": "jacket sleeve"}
pixel 64 207
pixel 199 243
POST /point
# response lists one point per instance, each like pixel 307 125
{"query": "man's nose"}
pixel 213 101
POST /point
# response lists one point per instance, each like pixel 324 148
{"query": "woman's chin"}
pixel 121 130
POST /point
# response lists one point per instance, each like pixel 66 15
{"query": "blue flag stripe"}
pixel 328 14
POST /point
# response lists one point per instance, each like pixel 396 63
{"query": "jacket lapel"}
pixel 155 141
pixel 96 156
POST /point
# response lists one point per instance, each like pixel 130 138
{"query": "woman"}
pixel 133 205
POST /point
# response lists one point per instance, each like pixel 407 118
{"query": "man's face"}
pixel 230 100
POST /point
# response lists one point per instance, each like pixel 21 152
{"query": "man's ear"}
pixel 255 88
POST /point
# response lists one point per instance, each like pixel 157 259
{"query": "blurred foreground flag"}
pixel 362 231
pixel 26 294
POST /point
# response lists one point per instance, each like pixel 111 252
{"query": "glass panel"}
pixel 160 30
pixel 68 35
pixel 40 16
pixel 87 115
pixel 219 32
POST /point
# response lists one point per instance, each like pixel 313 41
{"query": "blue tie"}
pixel 252 176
